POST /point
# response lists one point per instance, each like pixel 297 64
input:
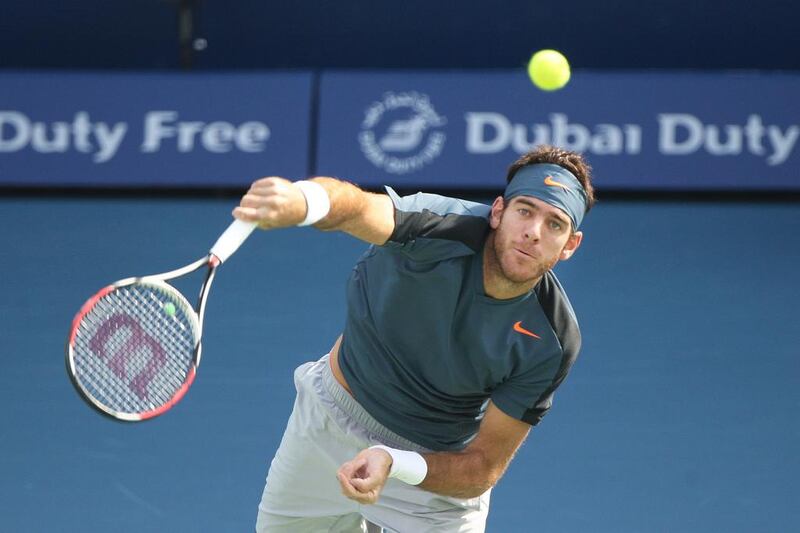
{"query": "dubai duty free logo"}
pixel 401 133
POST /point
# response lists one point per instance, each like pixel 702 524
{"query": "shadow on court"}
pixel 680 414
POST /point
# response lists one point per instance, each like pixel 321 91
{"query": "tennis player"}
pixel 457 335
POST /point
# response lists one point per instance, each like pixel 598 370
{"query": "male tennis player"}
pixel 457 335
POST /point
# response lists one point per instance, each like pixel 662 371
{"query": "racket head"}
pixel 133 349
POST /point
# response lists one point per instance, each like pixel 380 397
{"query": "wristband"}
pixel 317 202
pixel 408 467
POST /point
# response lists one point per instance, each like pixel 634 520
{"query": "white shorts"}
pixel 327 428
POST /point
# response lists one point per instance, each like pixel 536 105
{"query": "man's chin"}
pixel 521 275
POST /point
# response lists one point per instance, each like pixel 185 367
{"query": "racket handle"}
pixel 232 238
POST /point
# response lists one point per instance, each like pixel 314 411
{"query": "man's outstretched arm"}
pixel 275 202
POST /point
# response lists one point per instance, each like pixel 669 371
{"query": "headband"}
pixel 552 184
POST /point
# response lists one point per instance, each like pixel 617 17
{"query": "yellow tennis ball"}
pixel 548 70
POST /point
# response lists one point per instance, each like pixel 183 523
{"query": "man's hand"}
pixel 273 203
pixel 363 478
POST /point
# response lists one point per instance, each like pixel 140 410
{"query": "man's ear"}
pixel 497 212
pixel 572 245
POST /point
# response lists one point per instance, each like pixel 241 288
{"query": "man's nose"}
pixel 533 230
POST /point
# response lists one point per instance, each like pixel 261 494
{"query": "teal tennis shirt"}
pixel 424 348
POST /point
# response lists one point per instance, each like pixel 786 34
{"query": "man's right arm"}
pixel 277 203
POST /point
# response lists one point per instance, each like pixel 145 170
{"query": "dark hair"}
pixel 572 161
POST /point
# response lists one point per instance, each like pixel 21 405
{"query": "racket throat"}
pixel 213 262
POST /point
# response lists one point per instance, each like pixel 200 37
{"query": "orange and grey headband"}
pixel 552 184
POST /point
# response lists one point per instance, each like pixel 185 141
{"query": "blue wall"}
pixel 142 34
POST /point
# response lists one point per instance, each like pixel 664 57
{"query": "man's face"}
pixel 530 237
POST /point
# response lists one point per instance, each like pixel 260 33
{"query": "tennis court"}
pixel 680 415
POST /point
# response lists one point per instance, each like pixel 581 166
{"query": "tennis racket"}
pixel 134 347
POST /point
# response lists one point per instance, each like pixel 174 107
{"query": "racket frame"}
pixel 197 314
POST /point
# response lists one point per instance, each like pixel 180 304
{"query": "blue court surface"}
pixel 681 415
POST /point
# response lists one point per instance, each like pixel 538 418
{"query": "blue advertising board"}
pixel 153 129
pixel 640 131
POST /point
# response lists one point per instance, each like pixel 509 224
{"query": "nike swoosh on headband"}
pixel 553 183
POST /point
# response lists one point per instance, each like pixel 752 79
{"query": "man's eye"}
pixel 555 225
pixel 523 211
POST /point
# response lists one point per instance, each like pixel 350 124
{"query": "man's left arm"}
pixel 464 474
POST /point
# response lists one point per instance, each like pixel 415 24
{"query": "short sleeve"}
pixel 429 224
pixel 528 396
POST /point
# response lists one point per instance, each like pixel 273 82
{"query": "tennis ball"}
pixel 548 70
pixel 169 308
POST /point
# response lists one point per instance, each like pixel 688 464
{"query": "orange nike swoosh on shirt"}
pixel 553 183
pixel 519 329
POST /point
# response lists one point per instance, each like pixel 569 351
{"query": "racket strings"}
pixel 134 353
pixel 178 333
pixel 130 353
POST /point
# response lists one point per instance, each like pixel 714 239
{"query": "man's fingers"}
pixel 248 214
pixel 347 471
pixel 272 203
pixel 350 468
pixel 251 200
pixel 347 487
pixel 364 485
pixel 344 481
pixel 267 182
pixel 355 488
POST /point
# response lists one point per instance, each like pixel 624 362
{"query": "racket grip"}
pixel 232 238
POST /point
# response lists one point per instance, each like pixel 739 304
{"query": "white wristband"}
pixel 317 202
pixel 408 467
